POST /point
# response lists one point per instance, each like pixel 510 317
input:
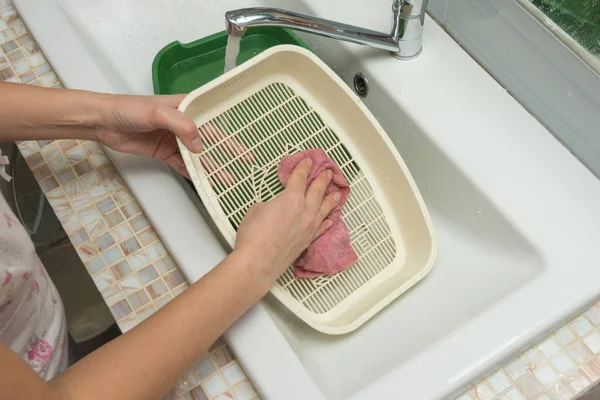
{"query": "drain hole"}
pixel 361 85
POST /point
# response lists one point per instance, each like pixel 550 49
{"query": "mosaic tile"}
pixel 140 222
pixel 98 192
pixel 147 274
pixel 103 279
pixel 78 237
pixel 147 237
pixel 120 310
pixel 122 232
pixel 561 391
pixel 128 323
pixel 123 197
pixel 198 394
pixel 28 148
pixel 94 265
pixel 215 385
pixel 105 205
pixel 88 215
pixel 221 356
pixel 104 241
pixel 156 251
pixel 512 394
pixel 593 342
pixel 579 352
pixel 146 312
pixel 90 180
pixel 576 380
pixel 563 363
pixel 51 152
pixel 546 375
pixel 592 369
pixel 157 289
pixel 15 55
pixel 48 184
pixel 112 255
pixel 203 368
pixel 9 46
pixel 138 260
pixel 112 294
pixel 67 144
pixel 564 336
pixel 63 210
pixel 138 299
pixel 30 49
pixel 130 284
pixel 233 374
pixel 65 176
pixel 98 159
pixel 41 69
pixel 581 326
pixel 175 279
pixel 121 269
pixel 21 67
pixel 163 300
pixel 27 76
pixel 593 314
pixel 96 227
pixel 114 218
pixel 71 223
pixel 75 155
pixel 530 387
pixel 130 246
pixel 499 381
pixel 131 210
pixel 82 167
pixel 81 201
pixel 244 391
pixel 34 160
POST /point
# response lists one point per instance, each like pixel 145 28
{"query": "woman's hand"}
pixel 275 233
pixel 148 125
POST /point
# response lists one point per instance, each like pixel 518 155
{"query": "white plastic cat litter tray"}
pixel 286 100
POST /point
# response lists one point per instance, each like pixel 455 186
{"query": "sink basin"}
pixel 515 213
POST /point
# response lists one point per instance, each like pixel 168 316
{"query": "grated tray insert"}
pixel 243 147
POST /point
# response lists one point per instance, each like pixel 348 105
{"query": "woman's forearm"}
pixel 35 113
pixel 145 362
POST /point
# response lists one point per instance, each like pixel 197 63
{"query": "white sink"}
pixel 516 215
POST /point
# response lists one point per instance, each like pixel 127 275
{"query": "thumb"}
pixel 181 125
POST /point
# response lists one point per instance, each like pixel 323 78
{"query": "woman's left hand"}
pixel 148 125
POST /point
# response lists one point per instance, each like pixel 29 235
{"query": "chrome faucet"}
pixel 404 41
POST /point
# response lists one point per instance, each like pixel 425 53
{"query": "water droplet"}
pixel 387 179
pixel 478 213
pixel 570 95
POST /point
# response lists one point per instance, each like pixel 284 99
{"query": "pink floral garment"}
pixel 32 318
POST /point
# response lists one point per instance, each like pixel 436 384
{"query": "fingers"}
pixel 177 163
pixel 220 176
pixel 328 205
pixel 316 190
pixel 172 100
pixel 325 226
pixel 213 134
pixel 165 117
pixel 299 177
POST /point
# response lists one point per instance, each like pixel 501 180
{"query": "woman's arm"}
pixel 145 362
pixel 145 125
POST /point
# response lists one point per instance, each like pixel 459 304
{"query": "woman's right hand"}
pixel 275 233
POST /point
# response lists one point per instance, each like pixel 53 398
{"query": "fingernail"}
pixel 329 174
pixel 329 224
pixel 309 162
pixel 197 144
pixel 337 196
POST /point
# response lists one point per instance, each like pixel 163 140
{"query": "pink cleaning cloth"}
pixel 331 252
